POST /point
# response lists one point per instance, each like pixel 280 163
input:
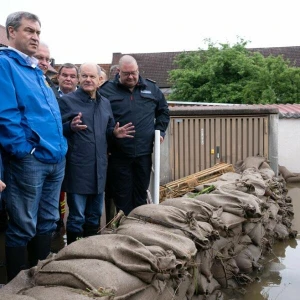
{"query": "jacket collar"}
pixel 85 96
pixel 21 57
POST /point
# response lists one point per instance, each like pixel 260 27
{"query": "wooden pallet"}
pixel 187 184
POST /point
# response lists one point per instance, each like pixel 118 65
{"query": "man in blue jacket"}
pixel 140 101
pixel 33 145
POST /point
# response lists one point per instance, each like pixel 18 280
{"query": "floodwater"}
pixel 280 277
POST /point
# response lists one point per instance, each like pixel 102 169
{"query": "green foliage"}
pixel 233 74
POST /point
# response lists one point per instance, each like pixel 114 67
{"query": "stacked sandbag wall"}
pixel 193 247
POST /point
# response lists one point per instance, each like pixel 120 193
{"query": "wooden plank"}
pixel 181 186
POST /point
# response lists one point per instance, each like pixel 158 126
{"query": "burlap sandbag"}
pixel 266 171
pixel 269 227
pixel 4 296
pixel 256 252
pixel 242 242
pixel 245 261
pixel 159 292
pixel 252 177
pixel 173 218
pixel 125 252
pixel 255 230
pixel 223 270
pixel 152 234
pixel 285 172
pixel 89 274
pixel 23 280
pixel 63 293
pixel 251 162
pixel 222 246
pixel 203 211
pixel 165 259
pixel 245 198
pixel 295 179
pixel 281 232
pixel 273 209
pixel 204 260
pixel 201 284
pixel 230 176
pixel 230 220
pixel 216 295
pixel 230 204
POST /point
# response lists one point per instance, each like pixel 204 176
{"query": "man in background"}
pixel 43 56
pixel 67 79
pixel 137 100
pixel 103 76
pixel 32 143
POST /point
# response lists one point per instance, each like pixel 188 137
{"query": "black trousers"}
pixel 128 181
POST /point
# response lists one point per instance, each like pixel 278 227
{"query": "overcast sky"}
pixel 92 30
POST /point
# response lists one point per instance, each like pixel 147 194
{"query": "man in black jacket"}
pixel 140 101
pixel 88 123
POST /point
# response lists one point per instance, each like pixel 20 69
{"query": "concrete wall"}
pixel 289 144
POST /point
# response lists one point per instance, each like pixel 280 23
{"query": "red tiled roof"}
pixel 291 53
pixel 106 67
pixel 287 111
pixel 155 66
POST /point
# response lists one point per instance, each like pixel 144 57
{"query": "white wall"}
pixel 289 144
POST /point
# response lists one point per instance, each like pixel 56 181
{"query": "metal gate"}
pixel 198 143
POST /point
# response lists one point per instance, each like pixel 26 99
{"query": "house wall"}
pixel 289 144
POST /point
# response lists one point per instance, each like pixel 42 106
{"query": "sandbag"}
pixel 285 172
pixel 89 274
pixel 230 204
pixel 230 220
pixel 203 211
pixel 252 178
pixel 62 292
pixel 281 232
pixel 172 218
pixel 152 234
pixel 266 171
pixel 224 269
pixel 125 252
pixel 5 296
pixel 255 230
pixel 245 261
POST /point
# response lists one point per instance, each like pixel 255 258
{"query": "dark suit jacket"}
pixel 53 87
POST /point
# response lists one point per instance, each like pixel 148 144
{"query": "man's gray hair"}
pixel 14 20
pixel 97 66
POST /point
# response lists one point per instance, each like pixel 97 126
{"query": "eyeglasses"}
pixel 127 74
pixel 46 59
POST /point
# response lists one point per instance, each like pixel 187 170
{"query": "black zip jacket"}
pixel 146 107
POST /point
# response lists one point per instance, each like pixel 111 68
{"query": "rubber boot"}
pixel 38 249
pixel 15 261
pixel 89 230
pixel 73 236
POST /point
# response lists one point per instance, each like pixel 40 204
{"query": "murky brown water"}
pixel 280 277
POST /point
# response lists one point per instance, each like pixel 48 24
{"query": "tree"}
pixel 233 74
